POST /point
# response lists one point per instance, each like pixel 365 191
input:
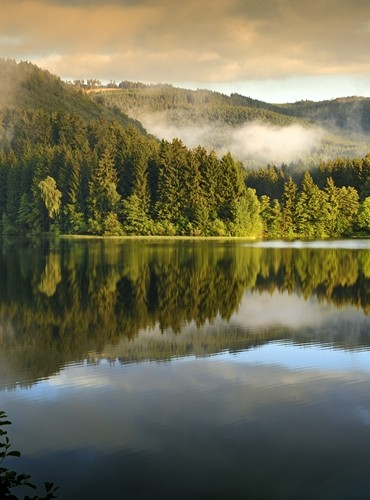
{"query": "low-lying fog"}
pixel 254 141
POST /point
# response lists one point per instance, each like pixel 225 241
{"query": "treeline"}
pixel 331 201
pixel 62 174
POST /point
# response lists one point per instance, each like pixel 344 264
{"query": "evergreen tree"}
pixel 348 210
pixel 311 210
pixel 289 208
pixel 246 216
pixel 364 215
pixel 230 187
pixel 172 158
pixel 333 208
pixel 135 217
pixel 103 196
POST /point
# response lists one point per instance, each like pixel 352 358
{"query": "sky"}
pixel 273 50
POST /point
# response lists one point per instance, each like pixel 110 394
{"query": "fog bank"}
pixel 251 143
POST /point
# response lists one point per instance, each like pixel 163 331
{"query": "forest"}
pixel 71 165
pixel 62 175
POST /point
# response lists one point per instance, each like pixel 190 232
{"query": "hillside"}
pixel 255 131
pixel 349 114
pixel 193 106
pixel 26 87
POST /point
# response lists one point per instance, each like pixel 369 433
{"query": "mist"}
pixel 254 143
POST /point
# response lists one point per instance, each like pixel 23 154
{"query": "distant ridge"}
pixel 345 113
pixel 256 132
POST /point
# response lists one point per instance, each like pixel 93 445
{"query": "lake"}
pixel 151 369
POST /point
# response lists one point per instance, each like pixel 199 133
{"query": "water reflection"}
pixel 150 370
pixel 242 426
pixel 141 300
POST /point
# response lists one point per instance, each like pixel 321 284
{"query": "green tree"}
pixel 230 187
pixel 311 209
pixel 348 210
pixel 289 208
pixel 51 196
pixel 135 217
pixel 103 196
pixel 246 215
pixel 364 215
pixel 332 200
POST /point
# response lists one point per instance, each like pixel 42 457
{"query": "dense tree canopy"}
pixel 326 202
pixel 60 173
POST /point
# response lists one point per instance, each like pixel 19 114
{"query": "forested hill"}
pixel 204 106
pixel 350 114
pixel 255 132
pixel 184 107
pixel 24 86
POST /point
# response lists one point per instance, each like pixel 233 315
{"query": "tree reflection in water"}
pixel 72 299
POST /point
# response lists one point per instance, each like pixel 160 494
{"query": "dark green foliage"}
pixel 185 106
pixel 101 178
pixel 9 479
pixel 115 181
pixel 310 210
pixel 289 204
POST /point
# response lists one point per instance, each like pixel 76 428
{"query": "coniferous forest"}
pixel 89 171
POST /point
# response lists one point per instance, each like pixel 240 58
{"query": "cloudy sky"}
pixel 275 50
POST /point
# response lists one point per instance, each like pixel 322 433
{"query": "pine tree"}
pixel 333 208
pixel 289 207
pixel 311 210
pixel 172 158
pixel 103 196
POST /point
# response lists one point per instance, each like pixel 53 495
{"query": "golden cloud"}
pixel 204 41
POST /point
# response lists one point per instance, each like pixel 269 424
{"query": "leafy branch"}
pixel 10 479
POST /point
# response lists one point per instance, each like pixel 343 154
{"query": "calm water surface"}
pixel 157 370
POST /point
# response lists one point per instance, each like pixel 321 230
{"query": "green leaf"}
pixel 14 454
pixel 30 485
